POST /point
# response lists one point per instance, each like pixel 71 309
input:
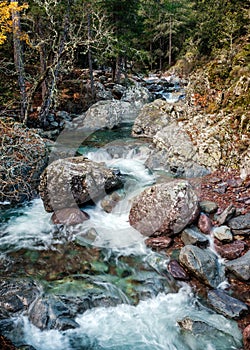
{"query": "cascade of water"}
pixel 152 325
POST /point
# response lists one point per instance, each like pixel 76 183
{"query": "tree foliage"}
pixel 6 23
pixel 51 37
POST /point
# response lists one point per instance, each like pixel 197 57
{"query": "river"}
pixel 149 305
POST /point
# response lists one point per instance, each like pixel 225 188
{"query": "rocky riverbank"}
pixel 225 220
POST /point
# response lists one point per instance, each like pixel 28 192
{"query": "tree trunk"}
pixel 90 59
pixel 118 70
pixel 49 100
pixel 161 53
pixel 170 42
pixel 18 59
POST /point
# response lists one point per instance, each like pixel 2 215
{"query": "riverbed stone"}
pixel 175 152
pixel 232 250
pixel 241 222
pixel 16 295
pixel 222 233
pixel 152 118
pixel 202 263
pixel 192 235
pixel 204 223
pixel 245 232
pixel 208 207
pixel 51 313
pixel 160 242
pixel 226 215
pixel 246 337
pixel 164 209
pixel 177 271
pixel 197 327
pixel 74 181
pixel 226 305
pixel 240 267
pixel 69 216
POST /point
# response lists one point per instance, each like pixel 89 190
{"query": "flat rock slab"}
pixel 232 250
pixel 226 305
pixel 241 222
pixel 202 263
pixel 194 236
pixel 240 267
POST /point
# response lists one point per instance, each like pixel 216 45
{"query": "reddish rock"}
pixel 69 216
pixel 246 338
pixel 205 223
pixel 177 271
pixel 161 242
pixel 232 250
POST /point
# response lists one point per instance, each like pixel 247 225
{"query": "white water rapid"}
pixel 152 324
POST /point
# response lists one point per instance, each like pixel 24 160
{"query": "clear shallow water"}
pixel 153 323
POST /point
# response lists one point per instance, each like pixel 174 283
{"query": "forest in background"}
pixel 44 43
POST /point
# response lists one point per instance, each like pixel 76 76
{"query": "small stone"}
pixel 208 207
pixel 232 250
pixel 223 233
pixel 69 216
pixel 194 236
pixel 202 263
pixel 221 188
pixel 226 215
pixel 246 337
pixel 177 271
pixel 107 205
pixel 245 232
pixel 205 224
pixel 161 242
pixel 241 222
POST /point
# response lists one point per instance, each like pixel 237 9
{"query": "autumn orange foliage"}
pixel 6 10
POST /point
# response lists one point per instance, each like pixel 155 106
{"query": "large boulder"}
pixel 175 152
pixel 24 156
pixel 165 208
pixel 152 118
pixel 110 113
pixel 70 182
pixel 202 263
pixel 208 135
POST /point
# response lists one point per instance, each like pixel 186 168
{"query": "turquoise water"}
pixel 152 305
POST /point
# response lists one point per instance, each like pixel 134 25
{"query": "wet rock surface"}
pixel 203 263
pixel 69 216
pixel 226 305
pixel 51 313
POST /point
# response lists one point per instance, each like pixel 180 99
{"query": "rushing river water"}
pixel 151 306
